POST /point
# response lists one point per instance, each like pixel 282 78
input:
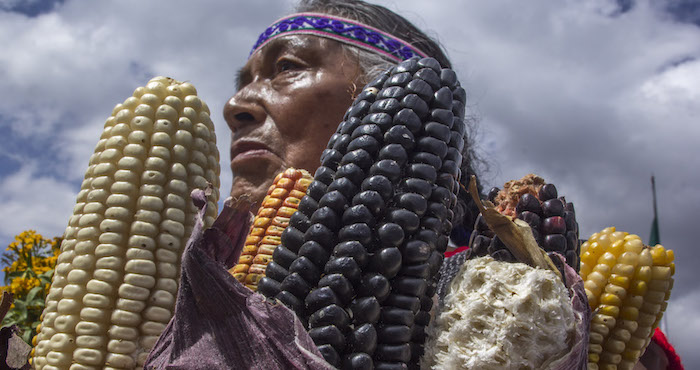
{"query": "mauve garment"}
pixel 219 323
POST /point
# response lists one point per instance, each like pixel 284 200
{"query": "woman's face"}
pixel 292 95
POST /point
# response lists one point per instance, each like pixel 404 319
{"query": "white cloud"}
pixel 683 327
pixel 30 200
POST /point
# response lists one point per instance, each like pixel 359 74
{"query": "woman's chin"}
pixel 254 187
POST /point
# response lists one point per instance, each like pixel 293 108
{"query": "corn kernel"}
pixel 645 258
pixel 292 173
pixel 291 202
pixel 645 319
pixel 616 290
pixel 608 259
pixel 595 349
pixel 592 287
pixel 638 288
pixel 618 236
pixel 286 183
pixel 610 358
pixel 302 184
pixel 660 273
pixel 629 313
pixel 630 326
pixel 635 301
pixel 596 338
pixel 660 285
pixel 670 257
pixel 252 239
pixel 274 230
pixel 643 273
pixel 285 212
pixel 261 222
pixel 251 249
pixel 239 268
pixel 630 355
pixel 619 280
pixel 267 249
pixel 271 239
pixel 279 193
pixel 257 269
pixel 624 270
pixel 596 249
pixel 617 248
pixel 266 212
pixel 612 311
pixel 658 254
pixel 592 300
pixel 633 245
pixel 651 308
pixel 597 278
pixel 606 320
pixel 603 269
pixel 272 202
pixel 280 221
pixel 621 335
pixel 615 346
pixel 262 259
pixel 655 296
pixel 629 258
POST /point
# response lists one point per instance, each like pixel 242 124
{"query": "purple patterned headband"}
pixel 343 30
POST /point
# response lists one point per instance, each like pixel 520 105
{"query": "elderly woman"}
pixel 297 84
pixel 302 75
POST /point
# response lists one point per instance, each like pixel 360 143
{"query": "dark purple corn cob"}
pixel 552 219
pixel 360 258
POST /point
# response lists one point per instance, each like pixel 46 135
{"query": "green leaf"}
pixel 11 275
pixel 45 278
pixel 32 293
pixel 37 302
pixel 27 336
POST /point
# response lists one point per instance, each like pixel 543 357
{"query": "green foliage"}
pixel 30 261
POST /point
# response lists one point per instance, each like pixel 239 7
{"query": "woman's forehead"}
pixel 310 46
pixel 296 42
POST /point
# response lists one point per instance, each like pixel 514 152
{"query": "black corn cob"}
pixel 359 260
pixel 551 217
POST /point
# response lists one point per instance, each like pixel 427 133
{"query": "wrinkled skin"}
pixel 292 95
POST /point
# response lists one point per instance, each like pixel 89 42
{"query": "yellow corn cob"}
pixel 281 202
pixel 628 285
pixel 116 279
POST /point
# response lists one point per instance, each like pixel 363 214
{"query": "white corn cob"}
pixel 116 278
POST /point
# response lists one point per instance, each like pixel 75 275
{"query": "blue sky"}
pixel 593 95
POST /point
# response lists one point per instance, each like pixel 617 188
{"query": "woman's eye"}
pixel 286 65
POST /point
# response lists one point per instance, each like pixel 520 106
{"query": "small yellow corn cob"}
pixel 281 202
pixel 114 287
pixel 628 285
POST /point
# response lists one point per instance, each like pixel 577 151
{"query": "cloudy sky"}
pixel 593 95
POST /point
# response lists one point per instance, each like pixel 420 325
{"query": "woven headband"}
pixel 343 30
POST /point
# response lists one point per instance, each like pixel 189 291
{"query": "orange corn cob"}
pixel 273 216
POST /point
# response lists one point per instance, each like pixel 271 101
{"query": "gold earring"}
pixel 353 90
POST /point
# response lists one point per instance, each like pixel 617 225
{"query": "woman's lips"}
pixel 244 150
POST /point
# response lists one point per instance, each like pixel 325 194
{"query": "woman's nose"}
pixel 244 109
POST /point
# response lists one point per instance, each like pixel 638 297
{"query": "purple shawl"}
pixel 219 323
